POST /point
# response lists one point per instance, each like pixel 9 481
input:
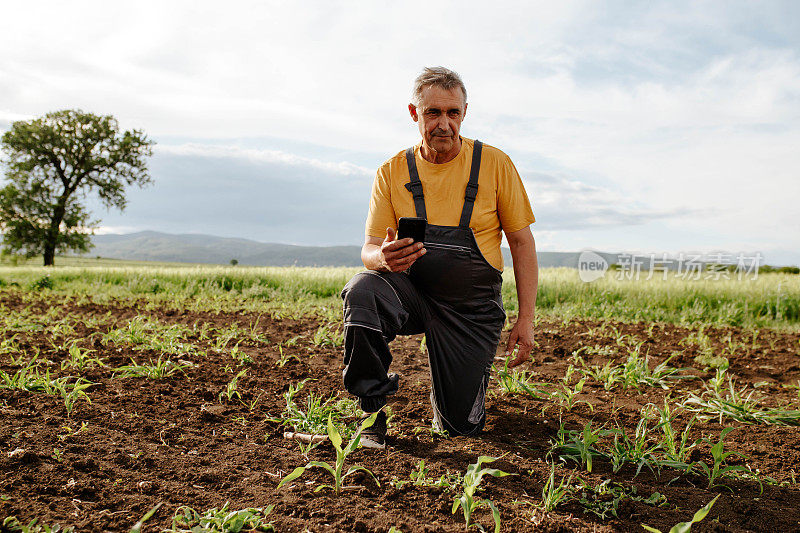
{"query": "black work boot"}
pixel 375 435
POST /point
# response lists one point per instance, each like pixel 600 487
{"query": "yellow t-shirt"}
pixel 501 202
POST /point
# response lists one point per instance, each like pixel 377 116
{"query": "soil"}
pixel 173 441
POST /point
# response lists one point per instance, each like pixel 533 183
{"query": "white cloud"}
pixel 8 117
pixel 115 230
pixel 263 156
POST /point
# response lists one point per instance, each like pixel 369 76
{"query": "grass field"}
pixel 771 300
pixel 160 394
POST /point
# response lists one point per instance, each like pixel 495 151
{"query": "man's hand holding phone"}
pixel 398 255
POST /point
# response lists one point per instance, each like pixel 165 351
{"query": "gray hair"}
pixel 440 77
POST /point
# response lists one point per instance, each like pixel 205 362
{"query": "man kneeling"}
pixel 447 286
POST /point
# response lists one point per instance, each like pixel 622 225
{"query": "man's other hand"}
pixel 399 255
pixel 521 335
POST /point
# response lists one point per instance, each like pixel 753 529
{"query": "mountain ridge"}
pixel 201 248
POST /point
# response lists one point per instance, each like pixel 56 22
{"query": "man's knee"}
pixel 363 281
pixel 371 302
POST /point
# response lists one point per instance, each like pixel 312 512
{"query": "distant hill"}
pixel 193 248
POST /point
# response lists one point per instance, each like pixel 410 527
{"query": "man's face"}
pixel 439 115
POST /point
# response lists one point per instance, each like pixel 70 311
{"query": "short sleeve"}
pixel 381 213
pixel 513 206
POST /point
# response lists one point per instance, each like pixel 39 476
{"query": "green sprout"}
pixel 472 479
pixel 686 527
pixel 341 454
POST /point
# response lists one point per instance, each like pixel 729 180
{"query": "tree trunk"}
pixel 55 226
pixel 49 254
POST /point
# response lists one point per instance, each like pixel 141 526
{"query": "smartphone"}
pixel 413 227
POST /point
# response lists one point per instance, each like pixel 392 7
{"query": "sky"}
pixel 642 127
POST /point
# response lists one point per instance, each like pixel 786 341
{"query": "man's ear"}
pixel 412 109
pixel 465 111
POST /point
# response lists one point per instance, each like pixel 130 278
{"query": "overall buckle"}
pixel 471 191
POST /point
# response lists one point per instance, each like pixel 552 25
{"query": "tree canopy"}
pixel 53 164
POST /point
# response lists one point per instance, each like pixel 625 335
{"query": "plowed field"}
pixel 176 441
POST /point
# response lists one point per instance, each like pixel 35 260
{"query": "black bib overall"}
pixel 452 294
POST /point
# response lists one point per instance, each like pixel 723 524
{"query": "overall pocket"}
pixel 444 272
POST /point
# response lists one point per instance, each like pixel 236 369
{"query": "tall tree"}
pixel 54 163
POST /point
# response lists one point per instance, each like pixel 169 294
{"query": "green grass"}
pixel 772 300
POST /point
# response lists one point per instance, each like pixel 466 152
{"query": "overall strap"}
pixel 472 187
pixel 415 185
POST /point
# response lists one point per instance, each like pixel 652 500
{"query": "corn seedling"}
pixel 202 330
pixel 20 359
pixel 471 481
pixel 446 481
pixel 596 349
pixel 636 371
pixel 69 432
pixel 341 454
pixel 578 446
pixel 609 374
pixel 137 527
pixel 9 346
pixel 58 455
pixel 622 339
pixel 73 392
pixel 677 449
pixel 328 335
pixel 604 499
pixel 61 329
pixel 686 527
pixel 241 357
pixel 252 404
pixel 706 358
pixel 720 468
pixel 285 357
pixel 712 361
pixel 26 378
pixel 638 449
pixel 554 495
pixel 255 335
pixel 733 347
pixel 420 478
pixel 224 337
pixel 722 402
pixel 187 520
pixel 231 390
pixel 294 340
pixel 13 525
pixel 80 359
pixel 513 381
pixel 159 369
pixel 142 333
pixel 30 379
pixel 312 416
pixel 717 383
pixel 565 395
pixel 433 430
